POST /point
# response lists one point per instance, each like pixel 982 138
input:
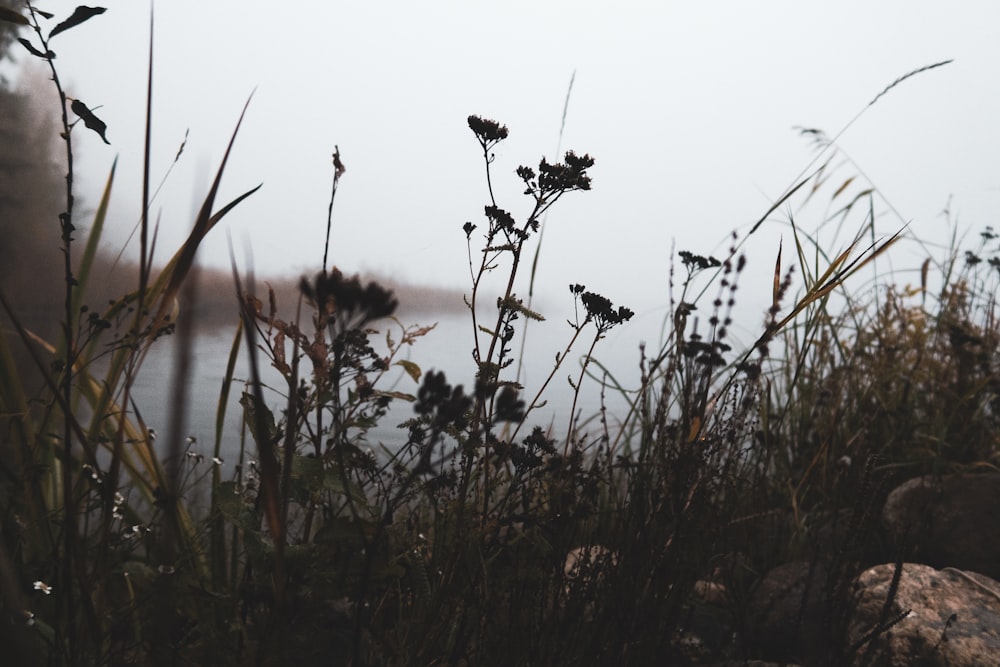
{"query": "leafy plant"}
pixel 84 490
pixel 587 544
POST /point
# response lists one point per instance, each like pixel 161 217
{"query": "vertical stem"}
pixel 63 564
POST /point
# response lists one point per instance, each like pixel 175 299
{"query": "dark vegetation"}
pixel 478 541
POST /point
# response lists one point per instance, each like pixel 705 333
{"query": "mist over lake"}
pixel 447 348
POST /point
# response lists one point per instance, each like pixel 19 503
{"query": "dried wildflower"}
pixel 43 587
pixel 489 132
pixel 564 176
pixel 351 304
pixel 509 408
pixel 697 262
pixel 600 310
pixel 447 404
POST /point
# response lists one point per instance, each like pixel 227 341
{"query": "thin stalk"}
pixel 64 564
pixel 576 391
pixel 338 171
pixel 541 236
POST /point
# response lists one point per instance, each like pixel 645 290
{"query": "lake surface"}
pixel 448 348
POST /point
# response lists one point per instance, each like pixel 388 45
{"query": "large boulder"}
pixel 953 619
pixel 786 613
pixel 948 521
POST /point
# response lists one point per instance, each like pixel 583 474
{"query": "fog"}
pixel 689 109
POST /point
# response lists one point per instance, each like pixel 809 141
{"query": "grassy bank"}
pixel 479 541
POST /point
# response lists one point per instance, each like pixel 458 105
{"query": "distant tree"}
pixel 31 175
pixel 8 33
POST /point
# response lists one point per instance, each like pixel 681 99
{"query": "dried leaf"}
pixel 411 369
pixel 842 187
pixel 89 119
pixel 401 395
pixel 774 207
pixel 777 277
pixel 80 14
pixel 923 279
pixel 34 51
pixel 695 428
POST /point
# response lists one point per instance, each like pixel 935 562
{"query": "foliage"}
pixel 481 538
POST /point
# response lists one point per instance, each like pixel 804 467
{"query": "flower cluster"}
pixel 489 132
pixel 600 310
pixel 348 300
pixel 447 404
pixel 551 179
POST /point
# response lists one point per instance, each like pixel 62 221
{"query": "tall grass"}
pixel 480 540
pixel 84 486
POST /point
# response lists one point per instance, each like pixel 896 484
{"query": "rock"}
pixel 785 612
pixel 849 533
pixel 761 537
pixel 954 618
pixel 948 522
pixel 706 632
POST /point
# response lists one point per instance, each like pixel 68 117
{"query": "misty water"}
pixel 447 348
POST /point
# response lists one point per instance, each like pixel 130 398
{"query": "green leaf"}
pixel 89 119
pixel 309 469
pixel 93 240
pixel 229 502
pixel 411 369
pixel 342 531
pixel 10 16
pixel 250 418
pixel 80 14
pixel 333 481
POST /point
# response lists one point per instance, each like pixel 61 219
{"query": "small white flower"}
pixel 216 460
pixel 191 440
pixel 166 569
pixel 43 587
pixel 152 434
pixel 119 499
pixel 29 618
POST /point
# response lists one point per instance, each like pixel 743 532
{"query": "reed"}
pixel 481 539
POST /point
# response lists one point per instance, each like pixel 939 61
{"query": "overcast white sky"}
pixel 688 108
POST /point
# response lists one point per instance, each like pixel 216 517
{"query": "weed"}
pixel 481 538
